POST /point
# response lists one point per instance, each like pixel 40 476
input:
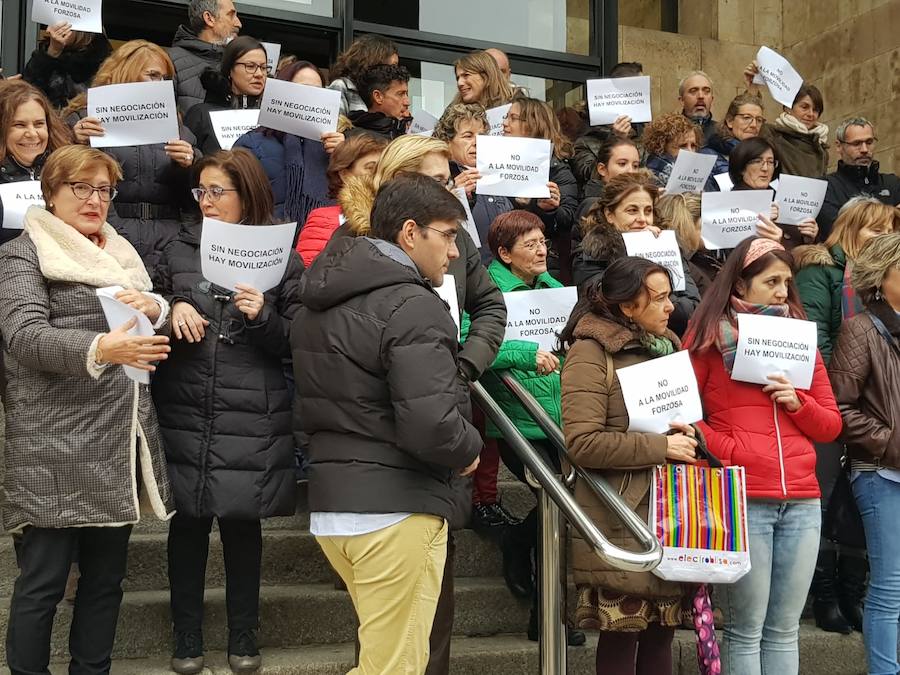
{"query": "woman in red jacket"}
pixel 770 430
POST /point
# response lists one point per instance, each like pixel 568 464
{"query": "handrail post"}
pixel 552 605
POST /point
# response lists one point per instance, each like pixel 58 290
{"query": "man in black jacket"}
pixel 212 24
pixel 375 359
pixel 857 173
pixel 385 90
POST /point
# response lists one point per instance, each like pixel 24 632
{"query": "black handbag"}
pixel 843 524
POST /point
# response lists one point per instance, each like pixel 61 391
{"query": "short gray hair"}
pixel 878 257
pixel 852 122
pixel 446 127
pixel 691 74
pixel 196 10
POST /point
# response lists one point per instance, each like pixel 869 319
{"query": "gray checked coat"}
pixel 79 438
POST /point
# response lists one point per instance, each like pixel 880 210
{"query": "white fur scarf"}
pixel 67 255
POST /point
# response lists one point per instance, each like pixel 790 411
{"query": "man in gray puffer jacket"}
pixel 197 46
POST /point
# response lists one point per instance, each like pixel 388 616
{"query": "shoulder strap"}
pixel 882 329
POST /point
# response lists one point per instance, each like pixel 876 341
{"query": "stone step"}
pixel 506 654
pixel 290 616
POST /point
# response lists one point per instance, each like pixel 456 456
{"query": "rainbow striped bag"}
pixel 699 514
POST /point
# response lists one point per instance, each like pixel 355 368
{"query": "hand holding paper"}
pixel 779 75
pixel 131 342
pixel 783 393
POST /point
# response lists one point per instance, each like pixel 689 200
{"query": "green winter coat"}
pixel 520 358
pixel 820 280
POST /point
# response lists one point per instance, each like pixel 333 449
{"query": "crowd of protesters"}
pixel 351 374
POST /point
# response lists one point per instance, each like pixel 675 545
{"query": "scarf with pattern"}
pixel 727 339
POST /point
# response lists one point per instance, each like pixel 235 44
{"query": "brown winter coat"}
pixel 595 423
pixel 799 154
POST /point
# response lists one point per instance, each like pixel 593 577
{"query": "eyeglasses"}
pixel 214 193
pixel 513 117
pixel 535 244
pixel 252 68
pixel 759 161
pixel 156 76
pixel 83 191
pixel 449 237
pixel 860 143
pixel 747 119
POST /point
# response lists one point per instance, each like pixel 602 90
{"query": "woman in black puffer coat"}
pixel 224 410
pixel 65 61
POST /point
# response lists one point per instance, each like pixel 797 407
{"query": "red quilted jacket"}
pixel 744 427
pixel 320 225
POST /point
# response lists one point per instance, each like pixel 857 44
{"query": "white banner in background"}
pixel 690 173
pixel 609 99
pixel 775 345
pixel 660 391
pixel 230 125
pixel 16 198
pixel 727 218
pixel 423 122
pixel 495 118
pixel 256 255
pixel 139 113
pixel 273 53
pixel 84 15
pixel 299 109
pixel 447 292
pixel 799 198
pixel 663 250
pixel 513 167
pixel 778 75
pixel 537 316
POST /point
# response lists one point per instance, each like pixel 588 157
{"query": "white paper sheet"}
pixel 256 255
pixel 139 113
pixel 84 15
pixel 513 167
pixel 16 198
pixel 774 345
pixel 727 218
pixel 495 119
pixel 299 109
pixel 662 250
pixel 609 99
pixel 660 391
pixel 118 313
pixel 230 125
pixel 539 315
pixel 779 76
pixel 799 198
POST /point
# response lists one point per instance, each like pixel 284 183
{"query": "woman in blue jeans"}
pixel 770 430
pixel 865 371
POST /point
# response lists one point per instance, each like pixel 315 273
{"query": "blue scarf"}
pixel 306 185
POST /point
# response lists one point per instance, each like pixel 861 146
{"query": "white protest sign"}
pixel 299 109
pixel 662 250
pixel 778 75
pixel 690 172
pixel 660 391
pixel 775 345
pixel 513 167
pixel 799 198
pixel 723 180
pixel 612 98
pixel 447 292
pixel 495 117
pixel 230 125
pixel 470 221
pixel 256 255
pixel 539 315
pixel 84 15
pixel 273 53
pixel 16 198
pixel 139 113
pixel 423 122
pixel 117 313
pixel 727 218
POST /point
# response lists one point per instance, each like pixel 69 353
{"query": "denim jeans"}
pixel 878 500
pixel 762 609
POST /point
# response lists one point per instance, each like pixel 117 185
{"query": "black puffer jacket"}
pixel 65 76
pixel 191 57
pixel 218 97
pixel 850 181
pixel 223 404
pixel 154 195
pixel 377 124
pixel 375 362
pixel 13 172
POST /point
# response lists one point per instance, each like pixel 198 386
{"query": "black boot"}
pixel 825 601
pixel 852 573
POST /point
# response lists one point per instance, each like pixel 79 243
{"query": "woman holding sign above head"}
pixel 225 412
pixel 237 84
pixel 770 430
pixel 30 130
pixel 621 322
pixel 627 205
pixel 153 195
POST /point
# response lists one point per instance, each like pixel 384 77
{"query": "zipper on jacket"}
pixel 780 448
pixel 210 389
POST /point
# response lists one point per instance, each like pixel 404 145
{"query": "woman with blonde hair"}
pixel 479 80
pixel 154 195
pixel 681 213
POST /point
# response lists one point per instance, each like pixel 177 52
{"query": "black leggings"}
pixel 648 652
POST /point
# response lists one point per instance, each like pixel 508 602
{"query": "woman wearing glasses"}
pixel 225 413
pixel 153 193
pixel 82 439
pixel 237 84
pixel 744 119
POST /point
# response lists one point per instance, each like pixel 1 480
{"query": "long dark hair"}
pixel 218 80
pixel 716 303
pixel 363 53
pixel 624 281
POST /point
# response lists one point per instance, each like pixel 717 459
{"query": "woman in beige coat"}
pixel 621 323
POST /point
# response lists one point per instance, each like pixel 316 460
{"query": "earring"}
pixel 878 295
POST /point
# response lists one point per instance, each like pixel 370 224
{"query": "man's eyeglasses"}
pixel 535 244
pixel 252 68
pixel 214 193
pixel 449 237
pixel 83 191
pixel 861 142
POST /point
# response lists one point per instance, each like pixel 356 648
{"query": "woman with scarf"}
pixel 769 430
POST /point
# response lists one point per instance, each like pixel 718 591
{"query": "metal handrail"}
pixel 634 561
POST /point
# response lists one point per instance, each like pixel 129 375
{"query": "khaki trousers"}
pixel 393 576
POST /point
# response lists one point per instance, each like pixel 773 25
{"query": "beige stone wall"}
pixel 850 49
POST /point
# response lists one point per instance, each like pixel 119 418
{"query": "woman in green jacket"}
pixel 823 279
